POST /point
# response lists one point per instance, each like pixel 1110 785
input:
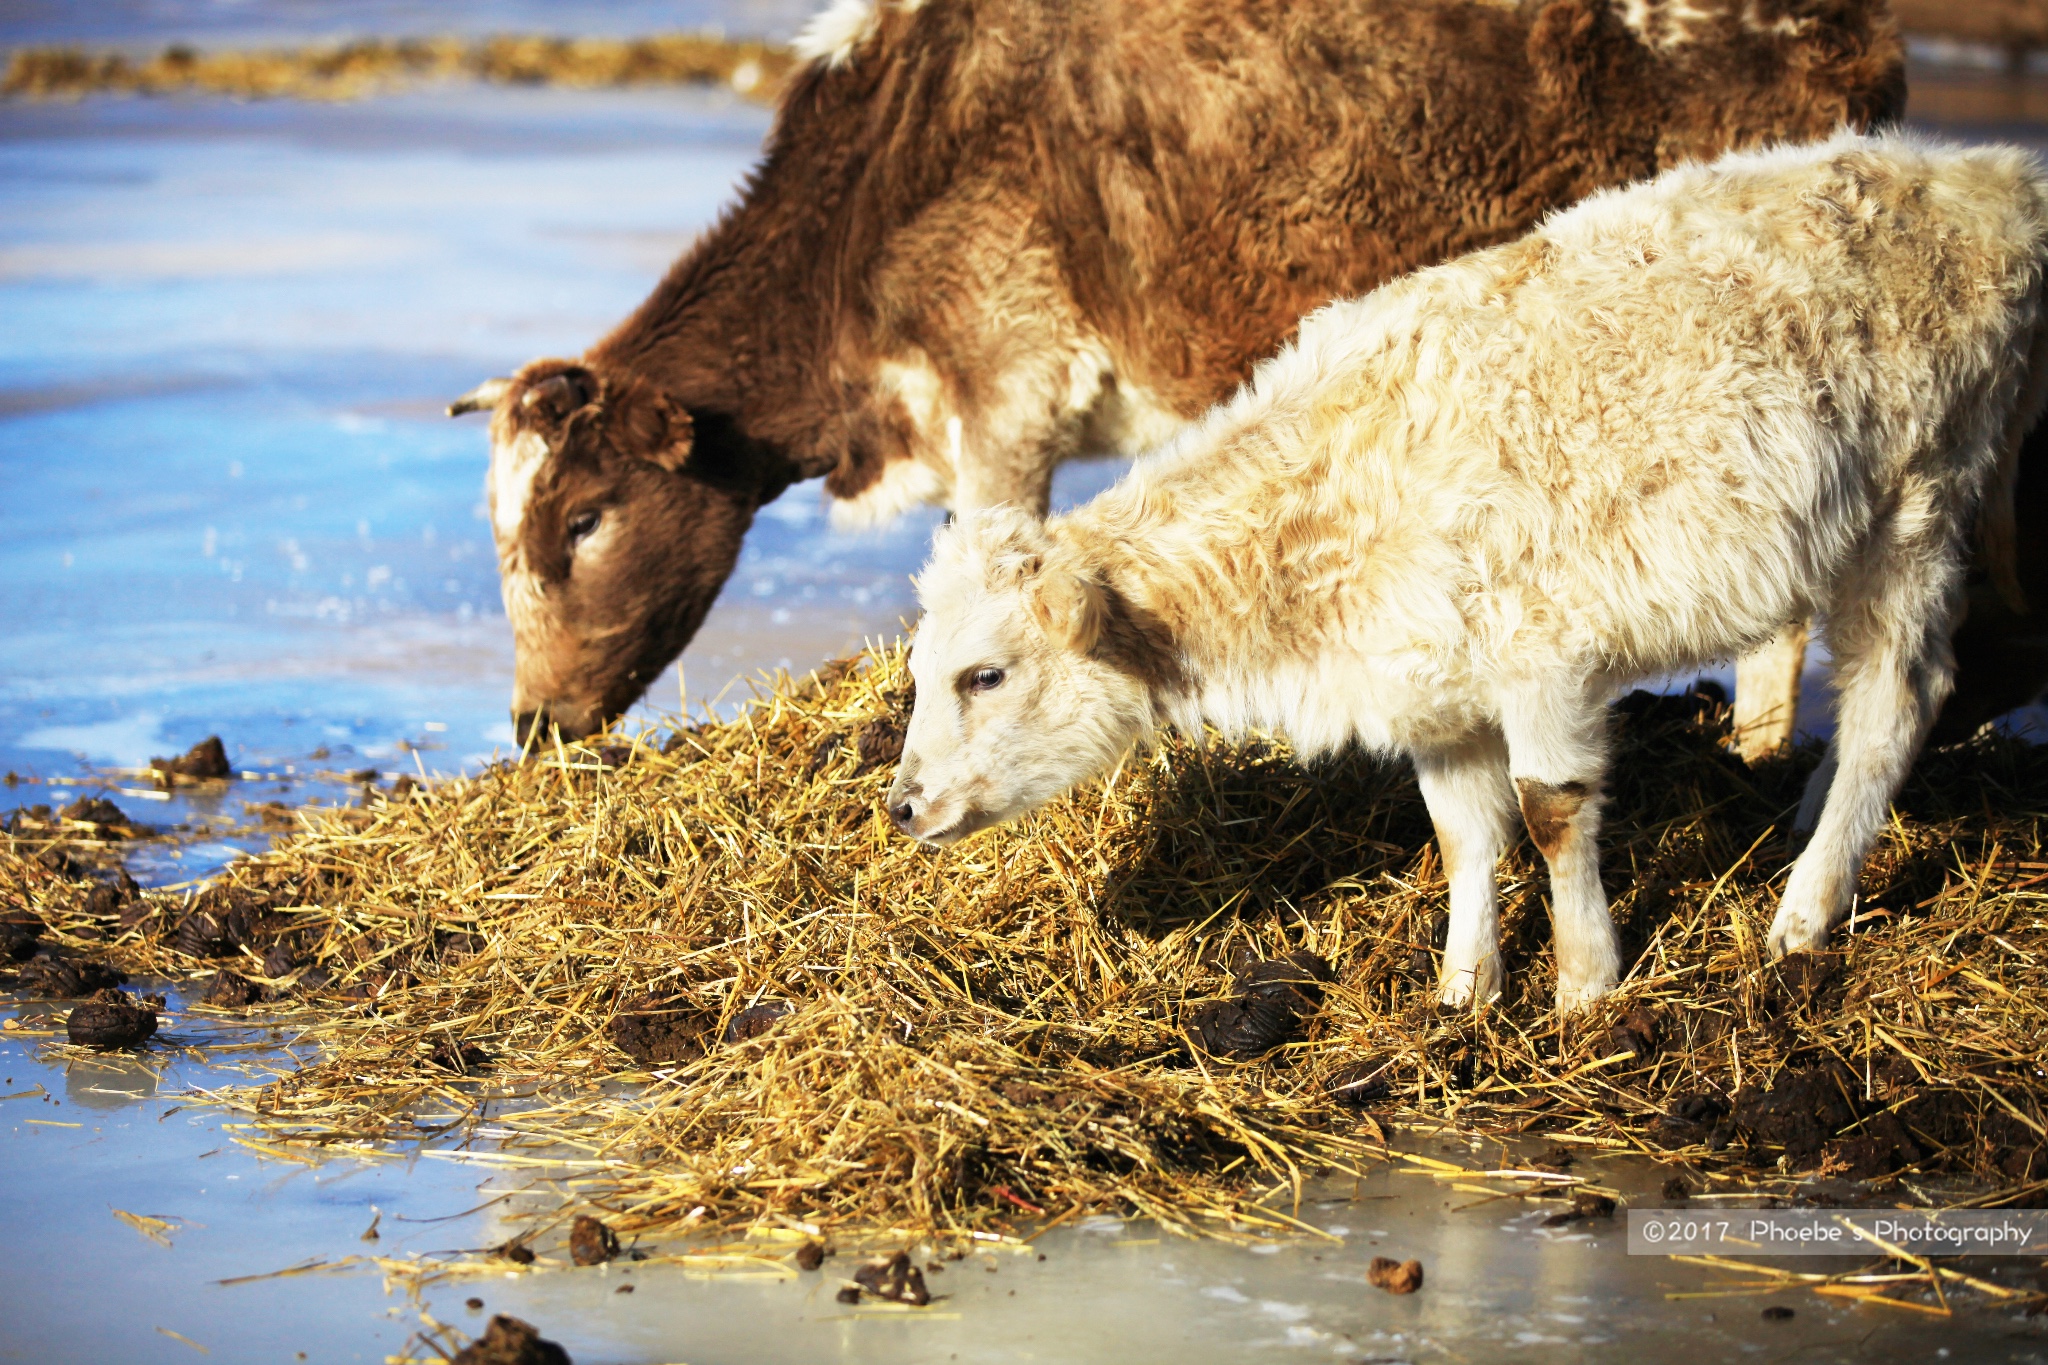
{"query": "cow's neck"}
pixel 766 320
pixel 722 334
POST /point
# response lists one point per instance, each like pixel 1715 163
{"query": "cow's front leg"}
pixel 1556 740
pixel 1767 693
pixel 1471 803
pixel 1013 474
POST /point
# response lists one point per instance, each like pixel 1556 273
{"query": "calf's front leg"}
pixel 1556 740
pixel 1471 803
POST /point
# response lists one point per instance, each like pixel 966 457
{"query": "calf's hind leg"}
pixel 1556 738
pixel 1471 804
pixel 1889 632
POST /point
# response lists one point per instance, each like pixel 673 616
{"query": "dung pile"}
pixel 374 66
pixel 712 969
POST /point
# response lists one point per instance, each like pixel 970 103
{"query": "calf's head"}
pixel 1020 693
pixel 618 515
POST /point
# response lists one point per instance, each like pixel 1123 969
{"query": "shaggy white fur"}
pixel 1459 512
pixel 835 32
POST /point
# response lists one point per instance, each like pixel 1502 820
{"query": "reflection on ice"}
pixel 124 741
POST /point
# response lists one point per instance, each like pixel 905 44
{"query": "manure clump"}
pixel 206 761
pixel 112 1019
pixel 510 1341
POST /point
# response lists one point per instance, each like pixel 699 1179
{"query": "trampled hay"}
pixel 843 1031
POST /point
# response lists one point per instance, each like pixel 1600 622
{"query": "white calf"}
pixel 1461 511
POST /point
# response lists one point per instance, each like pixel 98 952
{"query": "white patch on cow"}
pixel 1088 371
pixel 915 384
pixel 1128 419
pixel 1093 415
pixel 1784 26
pixel 1666 24
pixel 513 468
pixel 925 474
pixel 835 31
pixel 904 484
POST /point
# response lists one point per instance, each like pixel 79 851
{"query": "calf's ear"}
pixel 560 395
pixel 1071 606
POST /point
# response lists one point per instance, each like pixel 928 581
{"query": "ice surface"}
pixel 232 502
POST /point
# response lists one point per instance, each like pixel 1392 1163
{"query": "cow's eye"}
pixel 582 524
pixel 984 679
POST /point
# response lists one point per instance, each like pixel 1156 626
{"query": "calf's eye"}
pixel 581 525
pixel 985 679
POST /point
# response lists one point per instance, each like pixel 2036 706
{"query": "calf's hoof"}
pixel 1574 995
pixel 1795 932
pixel 1458 987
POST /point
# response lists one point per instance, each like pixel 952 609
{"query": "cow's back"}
pixel 1211 173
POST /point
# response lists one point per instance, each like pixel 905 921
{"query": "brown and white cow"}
pixel 986 237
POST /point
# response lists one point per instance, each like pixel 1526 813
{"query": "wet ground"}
pixel 233 507
pixel 85 1145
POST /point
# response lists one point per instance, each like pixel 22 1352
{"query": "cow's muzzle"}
pixel 540 726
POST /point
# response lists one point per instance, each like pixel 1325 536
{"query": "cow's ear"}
pixel 665 432
pixel 559 396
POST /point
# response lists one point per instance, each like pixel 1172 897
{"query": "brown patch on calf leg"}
pixel 1548 809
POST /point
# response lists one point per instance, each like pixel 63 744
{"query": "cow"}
pixel 1456 515
pixel 987 237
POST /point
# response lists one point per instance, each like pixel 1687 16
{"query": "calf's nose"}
pixel 902 805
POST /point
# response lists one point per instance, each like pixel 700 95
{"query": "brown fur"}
pixel 618 442
pixel 1548 809
pixel 1167 185
pixel 2002 653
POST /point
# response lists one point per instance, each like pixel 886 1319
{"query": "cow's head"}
pixel 1020 693
pixel 618 515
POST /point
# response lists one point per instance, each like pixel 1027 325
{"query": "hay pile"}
pixel 824 1024
pixel 375 66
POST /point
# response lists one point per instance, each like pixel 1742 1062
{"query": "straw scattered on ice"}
pixel 839 1029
